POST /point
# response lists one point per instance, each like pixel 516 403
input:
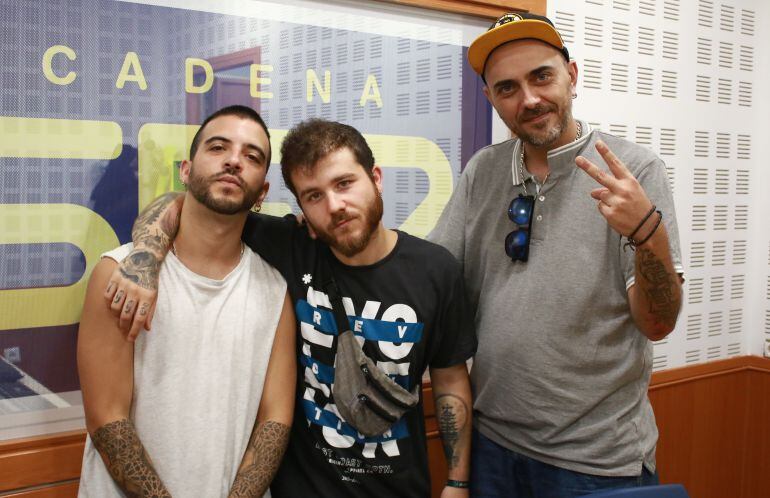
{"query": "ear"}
pixel 184 171
pixel 262 194
pixel 485 89
pixel 377 177
pixel 572 69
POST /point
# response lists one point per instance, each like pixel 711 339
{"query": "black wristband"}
pixel 634 244
pixel 657 224
pixel 649 213
pixel 457 484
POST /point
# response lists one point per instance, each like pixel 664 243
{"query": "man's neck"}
pixel 381 243
pixel 208 243
pixel 536 158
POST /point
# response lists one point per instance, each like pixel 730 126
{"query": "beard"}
pixel 353 243
pixel 546 136
pixel 200 188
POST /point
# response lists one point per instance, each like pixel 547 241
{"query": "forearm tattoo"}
pixel 153 231
pixel 127 461
pixel 162 215
pixel 452 413
pixel 659 287
pixel 261 459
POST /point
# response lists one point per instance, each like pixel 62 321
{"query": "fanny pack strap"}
pixel 335 298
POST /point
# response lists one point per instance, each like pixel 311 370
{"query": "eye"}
pixel 544 76
pixel 344 183
pixel 216 147
pixel 504 89
pixel 313 197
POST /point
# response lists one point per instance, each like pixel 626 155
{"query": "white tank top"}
pixel 198 376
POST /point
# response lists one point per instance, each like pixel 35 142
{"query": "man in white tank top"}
pixel 201 406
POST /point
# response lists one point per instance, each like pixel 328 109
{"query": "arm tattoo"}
pixel 161 215
pixel 153 231
pixel 660 287
pixel 141 267
pixel 260 461
pixel 452 413
pixel 127 461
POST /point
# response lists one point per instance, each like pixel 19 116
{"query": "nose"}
pixel 529 97
pixel 233 160
pixel 335 202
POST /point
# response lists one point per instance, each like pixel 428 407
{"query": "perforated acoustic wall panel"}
pixel 682 78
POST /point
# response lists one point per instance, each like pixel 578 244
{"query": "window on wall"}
pixel 99 132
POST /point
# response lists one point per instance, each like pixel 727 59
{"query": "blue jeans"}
pixel 498 472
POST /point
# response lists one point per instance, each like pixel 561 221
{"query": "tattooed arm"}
pixel 271 430
pixel 656 296
pixel 452 396
pixel 133 286
pixel 105 365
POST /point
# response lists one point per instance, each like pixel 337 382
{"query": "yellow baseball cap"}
pixel 510 27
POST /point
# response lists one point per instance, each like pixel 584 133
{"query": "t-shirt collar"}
pixel 559 159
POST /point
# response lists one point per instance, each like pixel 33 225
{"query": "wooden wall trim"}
pixel 41 460
pixel 491 9
pixel 49 466
pixel 713 434
pixel 692 373
pixel 62 490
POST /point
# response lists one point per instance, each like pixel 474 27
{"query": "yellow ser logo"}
pixel 161 146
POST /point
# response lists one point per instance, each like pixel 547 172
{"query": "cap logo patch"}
pixel 506 19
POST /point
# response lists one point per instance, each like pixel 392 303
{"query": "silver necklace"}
pixel 521 159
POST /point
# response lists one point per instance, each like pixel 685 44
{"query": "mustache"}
pixel 538 111
pixel 338 218
pixel 237 177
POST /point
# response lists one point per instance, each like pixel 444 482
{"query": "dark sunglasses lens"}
pixel 520 210
pixel 516 244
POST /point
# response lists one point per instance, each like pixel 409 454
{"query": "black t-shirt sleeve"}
pixel 271 237
pixel 454 338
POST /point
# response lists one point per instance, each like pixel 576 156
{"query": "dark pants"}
pixel 498 472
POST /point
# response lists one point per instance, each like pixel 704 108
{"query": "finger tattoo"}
pixel 143 308
pixel 118 297
pixel 109 287
pixel 129 306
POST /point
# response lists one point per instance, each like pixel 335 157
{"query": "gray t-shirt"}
pixel 561 372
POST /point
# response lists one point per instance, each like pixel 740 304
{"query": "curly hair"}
pixel 312 140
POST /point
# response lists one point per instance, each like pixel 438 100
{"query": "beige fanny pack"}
pixel 365 396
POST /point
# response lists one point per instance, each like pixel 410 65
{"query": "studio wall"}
pixel 683 77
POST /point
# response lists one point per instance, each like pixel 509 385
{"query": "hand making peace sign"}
pixel 622 200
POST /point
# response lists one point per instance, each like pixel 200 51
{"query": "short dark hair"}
pixel 313 139
pixel 241 111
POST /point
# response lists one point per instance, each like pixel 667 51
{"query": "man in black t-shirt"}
pixel 406 301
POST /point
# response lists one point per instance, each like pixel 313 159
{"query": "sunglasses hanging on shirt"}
pixel 517 242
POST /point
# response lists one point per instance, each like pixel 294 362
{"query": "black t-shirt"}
pixel 412 310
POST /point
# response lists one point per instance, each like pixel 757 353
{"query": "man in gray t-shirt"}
pixel 572 273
